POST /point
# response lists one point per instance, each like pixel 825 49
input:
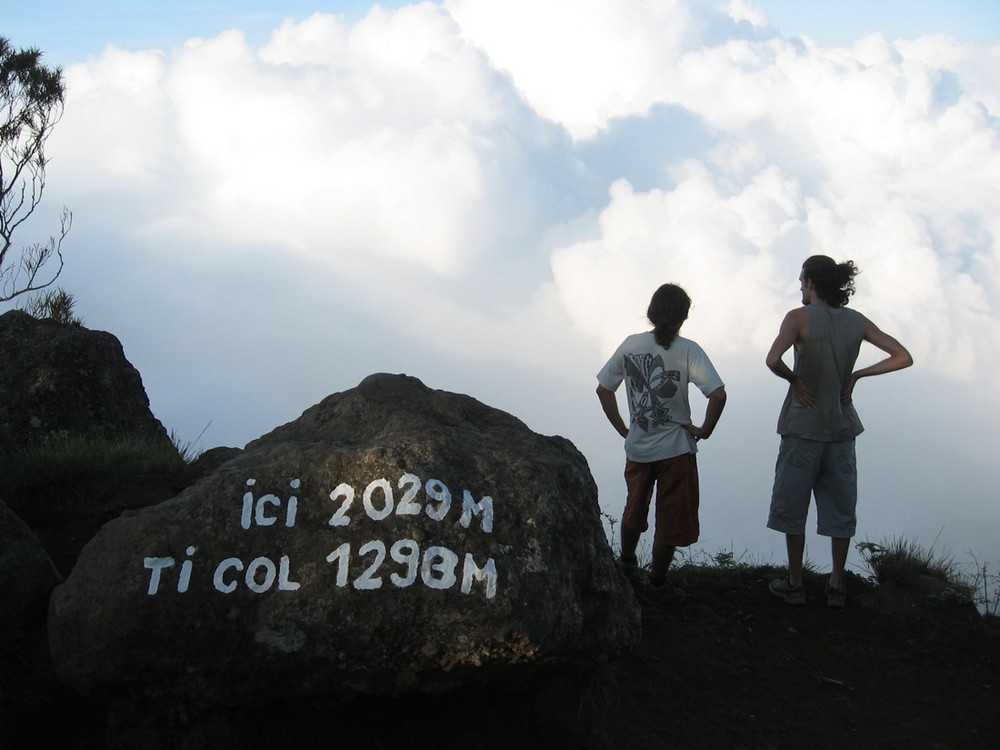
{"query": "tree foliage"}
pixel 31 103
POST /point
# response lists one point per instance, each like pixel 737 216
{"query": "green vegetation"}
pixel 898 561
pixel 905 564
pixel 725 559
pixel 74 465
pixel 56 304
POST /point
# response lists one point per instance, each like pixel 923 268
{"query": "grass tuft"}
pixel 905 564
pixel 899 561
pixel 75 465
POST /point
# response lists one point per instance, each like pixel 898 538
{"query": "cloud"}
pixel 856 156
pixel 585 66
pixel 114 132
pixel 329 139
pixel 485 195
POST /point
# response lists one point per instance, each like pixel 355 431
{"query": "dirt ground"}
pixel 735 667
pixel 730 667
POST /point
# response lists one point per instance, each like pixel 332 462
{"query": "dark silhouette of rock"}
pixel 27 575
pixel 210 460
pixel 394 539
pixel 59 380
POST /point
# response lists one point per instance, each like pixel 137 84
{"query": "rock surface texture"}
pixel 394 539
pixel 27 575
pixel 59 380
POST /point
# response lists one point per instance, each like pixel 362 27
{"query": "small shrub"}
pixel 56 304
pixel 898 560
pixel 907 565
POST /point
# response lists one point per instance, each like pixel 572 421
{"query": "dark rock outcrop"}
pixel 59 380
pixel 210 460
pixel 27 575
pixel 394 539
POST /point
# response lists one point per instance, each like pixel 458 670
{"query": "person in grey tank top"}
pixel 818 423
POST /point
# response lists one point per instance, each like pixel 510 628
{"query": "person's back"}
pixel 824 360
pixel 656 381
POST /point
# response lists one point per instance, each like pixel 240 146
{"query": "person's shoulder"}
pixel 854 313
pixel 683 341
pixel 641 339
pixel 798 316
pixel 634 343
pixel 687 345
pixel 851 314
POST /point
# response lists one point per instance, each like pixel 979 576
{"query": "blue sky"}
pixel 484 194
pixel 70 30
pixel 841 23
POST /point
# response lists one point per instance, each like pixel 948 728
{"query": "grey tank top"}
pixel 825 361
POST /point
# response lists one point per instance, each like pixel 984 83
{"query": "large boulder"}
pixel 60 380
pixel 27 575
pixel 394 539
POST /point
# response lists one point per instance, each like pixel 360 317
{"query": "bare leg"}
pixel 663 555
pixel 839 547
pixel 630 540
pixel 795 544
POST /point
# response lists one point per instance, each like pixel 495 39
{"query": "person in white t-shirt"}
pixel 660 442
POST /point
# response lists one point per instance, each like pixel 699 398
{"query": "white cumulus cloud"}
pixel 485 194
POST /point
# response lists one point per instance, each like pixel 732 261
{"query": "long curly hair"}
pixel 834 282
pixel 668 309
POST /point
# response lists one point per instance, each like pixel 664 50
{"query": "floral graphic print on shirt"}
pixel 651 385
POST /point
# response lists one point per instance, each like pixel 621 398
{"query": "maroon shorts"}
pixel 676 483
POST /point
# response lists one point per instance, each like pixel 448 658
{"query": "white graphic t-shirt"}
pixel 656 383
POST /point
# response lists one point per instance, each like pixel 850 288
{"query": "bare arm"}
pixel 716 403
pixel 610 405
pixel 898 359
pixel 792 331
